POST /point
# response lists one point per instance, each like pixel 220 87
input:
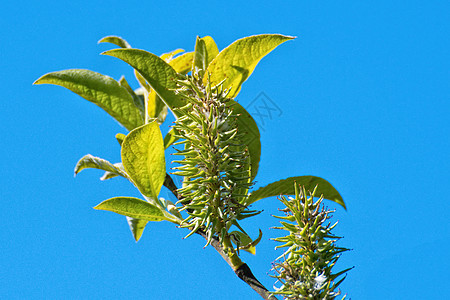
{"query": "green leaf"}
pixel 156 108
pixel 138 101
pixel 205 51
pixel 101 90
pixel 244 242
pixel 251 138
pixel 169 56
pixel 143 159
pixel 211 49
pixel 137 227
pixel 200 56
pixel 89 161
pixel 135 208
pixel 120 137
pixel 237 62
pixel 240 239
pixel 143 84
pixel 161 117
pixel 287 187
pixel 170 138
pixel 108 175
pixel 159 74
pixel 182 64
pixel 116 40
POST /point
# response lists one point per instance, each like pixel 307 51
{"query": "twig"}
pixel 243 272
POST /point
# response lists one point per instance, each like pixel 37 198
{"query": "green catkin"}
pixel 305 268
pixel 216 163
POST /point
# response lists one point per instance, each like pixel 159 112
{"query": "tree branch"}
pixel 243 271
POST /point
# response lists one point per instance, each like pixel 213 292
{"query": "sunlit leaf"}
pixel 120 137
pixel 251 137
pixel 170 138
pixel 135 208
pixel 89 161
pixel 156 108
pixel 211 49
pixel 138 101
pixel 240 239
pixel 108 175
pixel 205 51
pixel 200 57
pixel 137 227
pixel 116 40
pixel 237 62
pixel 244 242
pixel 158 74
pixel 143 159
pixel 182 63
pixel 287 187
pixel 169 55
pixel 101 90
pixel 144 85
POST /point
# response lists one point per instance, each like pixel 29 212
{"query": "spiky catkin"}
pixel 215 163
pixel 305 268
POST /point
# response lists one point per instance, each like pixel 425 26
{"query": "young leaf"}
pixel 116 40
pixel 205 51
pixel 244 242
pixel 211 49
pixel 155 106
pixel 287 187
pixel 137 227
pixel 241 239
pixel 169 56
pixel 101 90
pixel 182 64
pixel 200 56
pixel 108 175
pixel 135 208
pixel 251 138
pixel 159 74
pixel 143 159
pixel 237 62
pixel 89 161
pixel 170 138
pixel 120 137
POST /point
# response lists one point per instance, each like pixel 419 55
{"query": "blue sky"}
pixel 363 95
